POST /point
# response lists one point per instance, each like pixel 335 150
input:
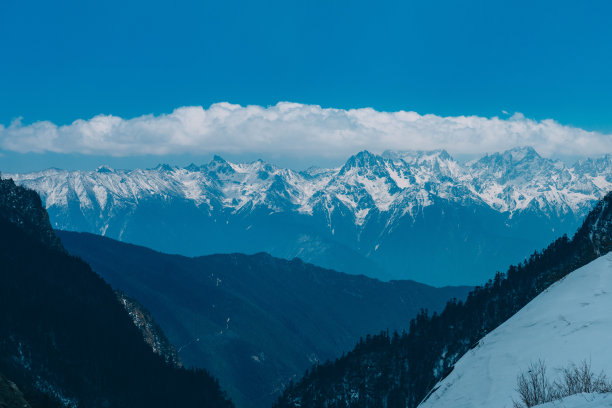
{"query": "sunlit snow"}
pixel 568 323
pixel 395 183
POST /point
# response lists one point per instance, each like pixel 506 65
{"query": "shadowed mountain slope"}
pixel 65 340
pixel 254 320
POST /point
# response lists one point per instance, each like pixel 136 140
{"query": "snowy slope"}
pixel 569 322
pixel 581 401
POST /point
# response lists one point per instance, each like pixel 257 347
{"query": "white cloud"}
pixel 297 130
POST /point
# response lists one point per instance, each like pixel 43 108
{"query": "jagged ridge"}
pixel 507 182
pixel 360 218
pixel 23 207
pixel 151 332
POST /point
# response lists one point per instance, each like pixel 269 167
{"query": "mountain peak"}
pixel 512 162
pixel 521 153
pixel 163 167
pixel 594 167
pixel 192 167
pixel 105 169
pixel 219 165
pixel 261 164
pixel 218 159
pixel 363 160
pixel 441 153
pixel 23 207
pixel 412 156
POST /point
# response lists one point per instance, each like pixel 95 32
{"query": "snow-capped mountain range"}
pixel 378 214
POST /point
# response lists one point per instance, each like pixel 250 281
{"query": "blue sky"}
pixel 69 60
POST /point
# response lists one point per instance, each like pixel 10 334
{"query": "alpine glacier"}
pixel 400 215
pixel 567 323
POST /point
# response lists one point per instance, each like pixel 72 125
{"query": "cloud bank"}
pixel 297 130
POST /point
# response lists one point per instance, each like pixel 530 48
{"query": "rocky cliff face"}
pixel 151 332
pixel 23 207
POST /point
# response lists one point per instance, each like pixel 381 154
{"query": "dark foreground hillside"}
pixel 10 395
pixel 400 370
pixel 254 320
pixel 65 340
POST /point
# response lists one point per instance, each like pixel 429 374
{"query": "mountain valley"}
pixel 401 370
pixel 255 321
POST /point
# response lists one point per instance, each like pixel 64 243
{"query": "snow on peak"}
pixel 396 182
pixel 518 154
pixel 417 156
pixel 192 167
pixel 104 169
pixel 362 162
pixel 164 167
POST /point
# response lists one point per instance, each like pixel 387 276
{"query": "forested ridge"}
pixel 65 340
pixel 399 370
